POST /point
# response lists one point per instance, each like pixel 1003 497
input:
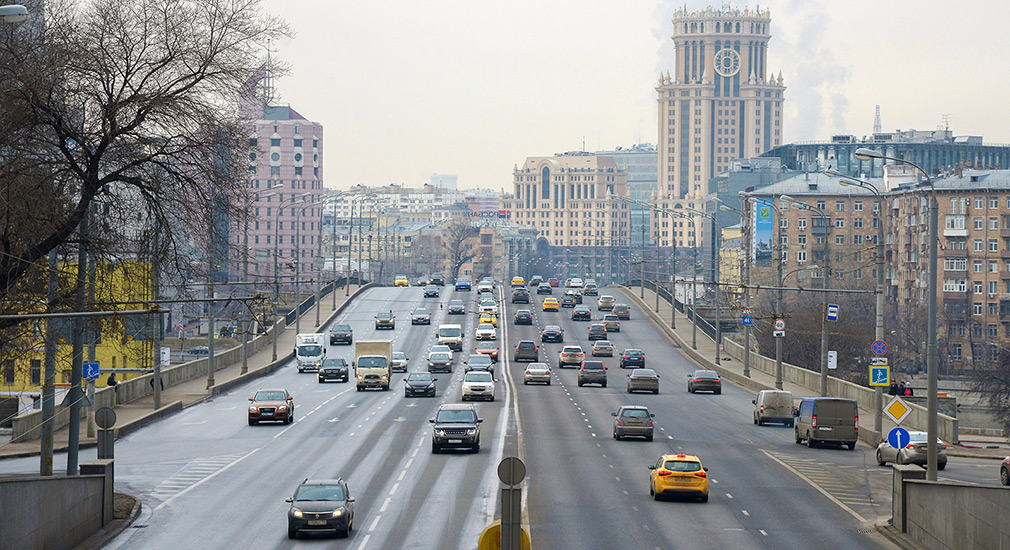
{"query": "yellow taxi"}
pixel 551 304
pixel 518 281
pixel 489 318
pixel 401 280
pixel 678 475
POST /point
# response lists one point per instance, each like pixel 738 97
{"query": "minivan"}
pixel 773 406
pixel 452 336
pixel 827 420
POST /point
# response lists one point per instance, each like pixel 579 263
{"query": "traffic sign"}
pixel 779 334
pixel 880 376
pixel 832 312
pixel 879 347
pixel 511 470
pixel 878 361
pixel 747 319
pixel 898 438
pixel 748 311
pixel 780 324
pixel 90 371
pixel 897 410
pixel 105 417
pixel 832 359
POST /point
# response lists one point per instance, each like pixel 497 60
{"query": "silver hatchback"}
pixel 633 420
pixel 643 380
pixel 537 373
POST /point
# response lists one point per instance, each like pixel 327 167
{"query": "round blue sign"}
pixel 898 438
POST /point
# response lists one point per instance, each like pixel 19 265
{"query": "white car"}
pixel 576 282
pixel 440 347
pixel 537 372
pixel 486 331
pixel 400 361
pixel 488 306
pixel 485 286
pixel 478 384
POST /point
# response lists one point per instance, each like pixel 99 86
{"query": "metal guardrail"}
pixel 310 301
pixel 664 293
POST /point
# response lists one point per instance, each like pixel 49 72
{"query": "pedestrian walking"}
pixel 893 389
pixel 908 391
pixel 901 388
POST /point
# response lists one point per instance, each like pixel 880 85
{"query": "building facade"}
pixel 639 165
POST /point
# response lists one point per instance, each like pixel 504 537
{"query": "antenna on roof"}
pixel 268 79
pixel 876 121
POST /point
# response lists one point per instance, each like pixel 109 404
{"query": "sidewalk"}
pixel 731 370
pixel 136 414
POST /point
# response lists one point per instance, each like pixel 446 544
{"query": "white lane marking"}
pixel 402 473
pixel 394 488
pixel 729 495
pixel 745 512
pixel 413 454
pixel 385 504
pixel 816 486
pixel 280 433
pixel 409 462
pixel 715 481
pixel 204 480
pixel 317 408
pixel 364 541
pixel 194 423
pixel 762 531
pixel 594 435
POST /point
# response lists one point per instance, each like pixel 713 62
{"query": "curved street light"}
pixel 13 14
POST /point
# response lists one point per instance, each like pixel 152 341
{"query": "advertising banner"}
pixel 763 223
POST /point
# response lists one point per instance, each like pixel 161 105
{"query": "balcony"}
pixel 1004 232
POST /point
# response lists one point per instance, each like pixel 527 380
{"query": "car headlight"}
pixel 431 385
pixel 472 431
pixel 338 512
pixel 253 409
pixel 282 408
pixel 430 364
pixel 439 432
pixel 296 512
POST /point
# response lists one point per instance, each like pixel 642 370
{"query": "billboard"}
pixel 763 222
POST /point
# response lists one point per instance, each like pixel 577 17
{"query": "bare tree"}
pixel 993 384
pixel 132 104
pixel 458 238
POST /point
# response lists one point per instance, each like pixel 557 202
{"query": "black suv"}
pixel 593 372
pixel 321 506
pixel 437 279
pixel 633 358
pixel 582 313
pixel 456 426
pixel 524 317
pixel 333 369
pixel 520 295
pixel 341 334
pixel 552 333
pixel 597 332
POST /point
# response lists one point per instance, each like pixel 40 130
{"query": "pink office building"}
pixel 285 178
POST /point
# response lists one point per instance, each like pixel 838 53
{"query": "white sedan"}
pixel 486 331
pixel 478 385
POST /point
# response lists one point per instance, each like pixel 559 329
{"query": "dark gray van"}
pixel 827 420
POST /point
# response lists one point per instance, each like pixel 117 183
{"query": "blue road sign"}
pixel 898 438
pixel 832 312
pixel 880 375
pixel 748 320
pixel 879 347
pixel 90 371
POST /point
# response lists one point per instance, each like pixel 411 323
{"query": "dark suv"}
pixel 456 426
pixel 552 333
pixel 597 331
pixel 437 279
pixel 545 288
pixel 520 295
pixel 321 506
pixel 524 317
pixel 633 358
pixel 527 350
pixel 333 369
pixel 593 372
pixel 341 334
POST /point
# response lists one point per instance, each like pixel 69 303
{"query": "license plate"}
pixel 824 428
pixel 317 522
pixel 268 414
pixel 455 441
pixel 684 479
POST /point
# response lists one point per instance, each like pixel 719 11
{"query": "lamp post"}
pixel 825 280
pixel 715 279
pixel 745 227
pixel 277 279
pixel 878 261
pixel 13 14
pixel 298 262
pixel 864 154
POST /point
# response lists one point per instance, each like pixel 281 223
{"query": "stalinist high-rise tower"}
pixel 721 103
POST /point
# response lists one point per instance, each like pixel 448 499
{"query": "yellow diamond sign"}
pixel 897 410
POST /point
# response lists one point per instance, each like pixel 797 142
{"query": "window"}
pixel 977 247
pixel 801 224
pixel 820 205
pixel 993 308
pixel 840 206
pixel 801 256
pixel 992 287
pixel 954 285
pixel 857 273
pixel 857 239
pixel 802 239
pixel 8 371
pixel 36 372
pixel 993 223
pixel 857 223
pixel 840 223
pixel 275 142
pixel 993 245
pixel 954 222
pixel 955 352
pixel 784 223
pixel 839 239
pixel 993 330
pixel 976 308
pixel 993 202
pixel 977 266
pixel 955 264
pixel 978 224
pixel 978 203
pixel 993 266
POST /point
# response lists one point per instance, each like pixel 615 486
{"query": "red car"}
pixel 553 281
pixel 487 348
pixel 1004 471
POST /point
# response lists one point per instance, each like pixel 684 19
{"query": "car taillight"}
pixel 697 379
pixel 761 409
pixel 664 473
pixel 857 422
pixel 910 446
pixel 813 421
pixel 650 423
pixel 582 355
pixel 701 474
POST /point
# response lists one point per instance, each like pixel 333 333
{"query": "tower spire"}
pixel 876 120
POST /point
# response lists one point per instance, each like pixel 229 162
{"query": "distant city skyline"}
pixel 407 90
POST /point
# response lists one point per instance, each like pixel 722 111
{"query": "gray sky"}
pixel 408 88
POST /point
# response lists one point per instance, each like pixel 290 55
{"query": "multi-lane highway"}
pixel 209 480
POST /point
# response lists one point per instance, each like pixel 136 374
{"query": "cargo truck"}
pixel 310 350
pixel 373 364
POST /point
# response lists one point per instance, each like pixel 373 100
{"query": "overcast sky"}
pixel 408 88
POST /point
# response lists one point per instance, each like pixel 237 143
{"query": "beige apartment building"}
pixel 721 103
pixel 571 200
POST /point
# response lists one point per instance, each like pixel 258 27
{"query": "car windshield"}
pixel 419 377
pixel 478 360
pixel 371 362
pixel 592 365
pixel 486 345
pixel 487 303
pixel 399 355
pixel 382 316
pixel 455 416
pixel 478 377
pixel 527 345
pixel 537 366
pixel 421 311
pixel 485 326
pixel 635 413
pixel 643 372
pixel 448 332
pixel 603 344
pixel 572 350
pixel 440 356
pixel 341 328
pixel 311 350
pixel 441 347
pixel 705 374
pixel 320 492
pixel 334 362
pixel 552 328
pixel 682 465
pixel 632 352
pixel 270 395
pixel 455 302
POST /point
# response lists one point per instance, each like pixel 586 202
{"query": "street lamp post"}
pixel 13 14
pixel 715 280
pixel 864 154
pixel 825 281
pixel 745 227
pixel 277 279
pixel 878 260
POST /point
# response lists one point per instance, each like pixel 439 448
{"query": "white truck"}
pixel 373 364
pixel 310 350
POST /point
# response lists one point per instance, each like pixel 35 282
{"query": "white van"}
pixel 452 336
pixel 310 350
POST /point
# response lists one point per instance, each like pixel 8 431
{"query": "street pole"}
pixel 826 282
pixel 778 294
pixel 879 324
pixel 718 293
pixel 746 291
pixel 91 349
pixel 298 268
pixel 931 363
pixel 76 374
pixel 673 275
pixel 156 323
pixel 333 289
pixel 694 301
pixel 48 383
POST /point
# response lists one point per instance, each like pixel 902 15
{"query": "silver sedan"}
pixel 537 372
pixel 913 453
pixel 603 347
pixel 643 380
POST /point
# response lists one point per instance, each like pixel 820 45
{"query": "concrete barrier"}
pixel 55 512
pixel 943 515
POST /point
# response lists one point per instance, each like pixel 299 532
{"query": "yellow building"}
pixel 731 260
pixel 122 344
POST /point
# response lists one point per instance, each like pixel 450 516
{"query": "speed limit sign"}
pixel 780 324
